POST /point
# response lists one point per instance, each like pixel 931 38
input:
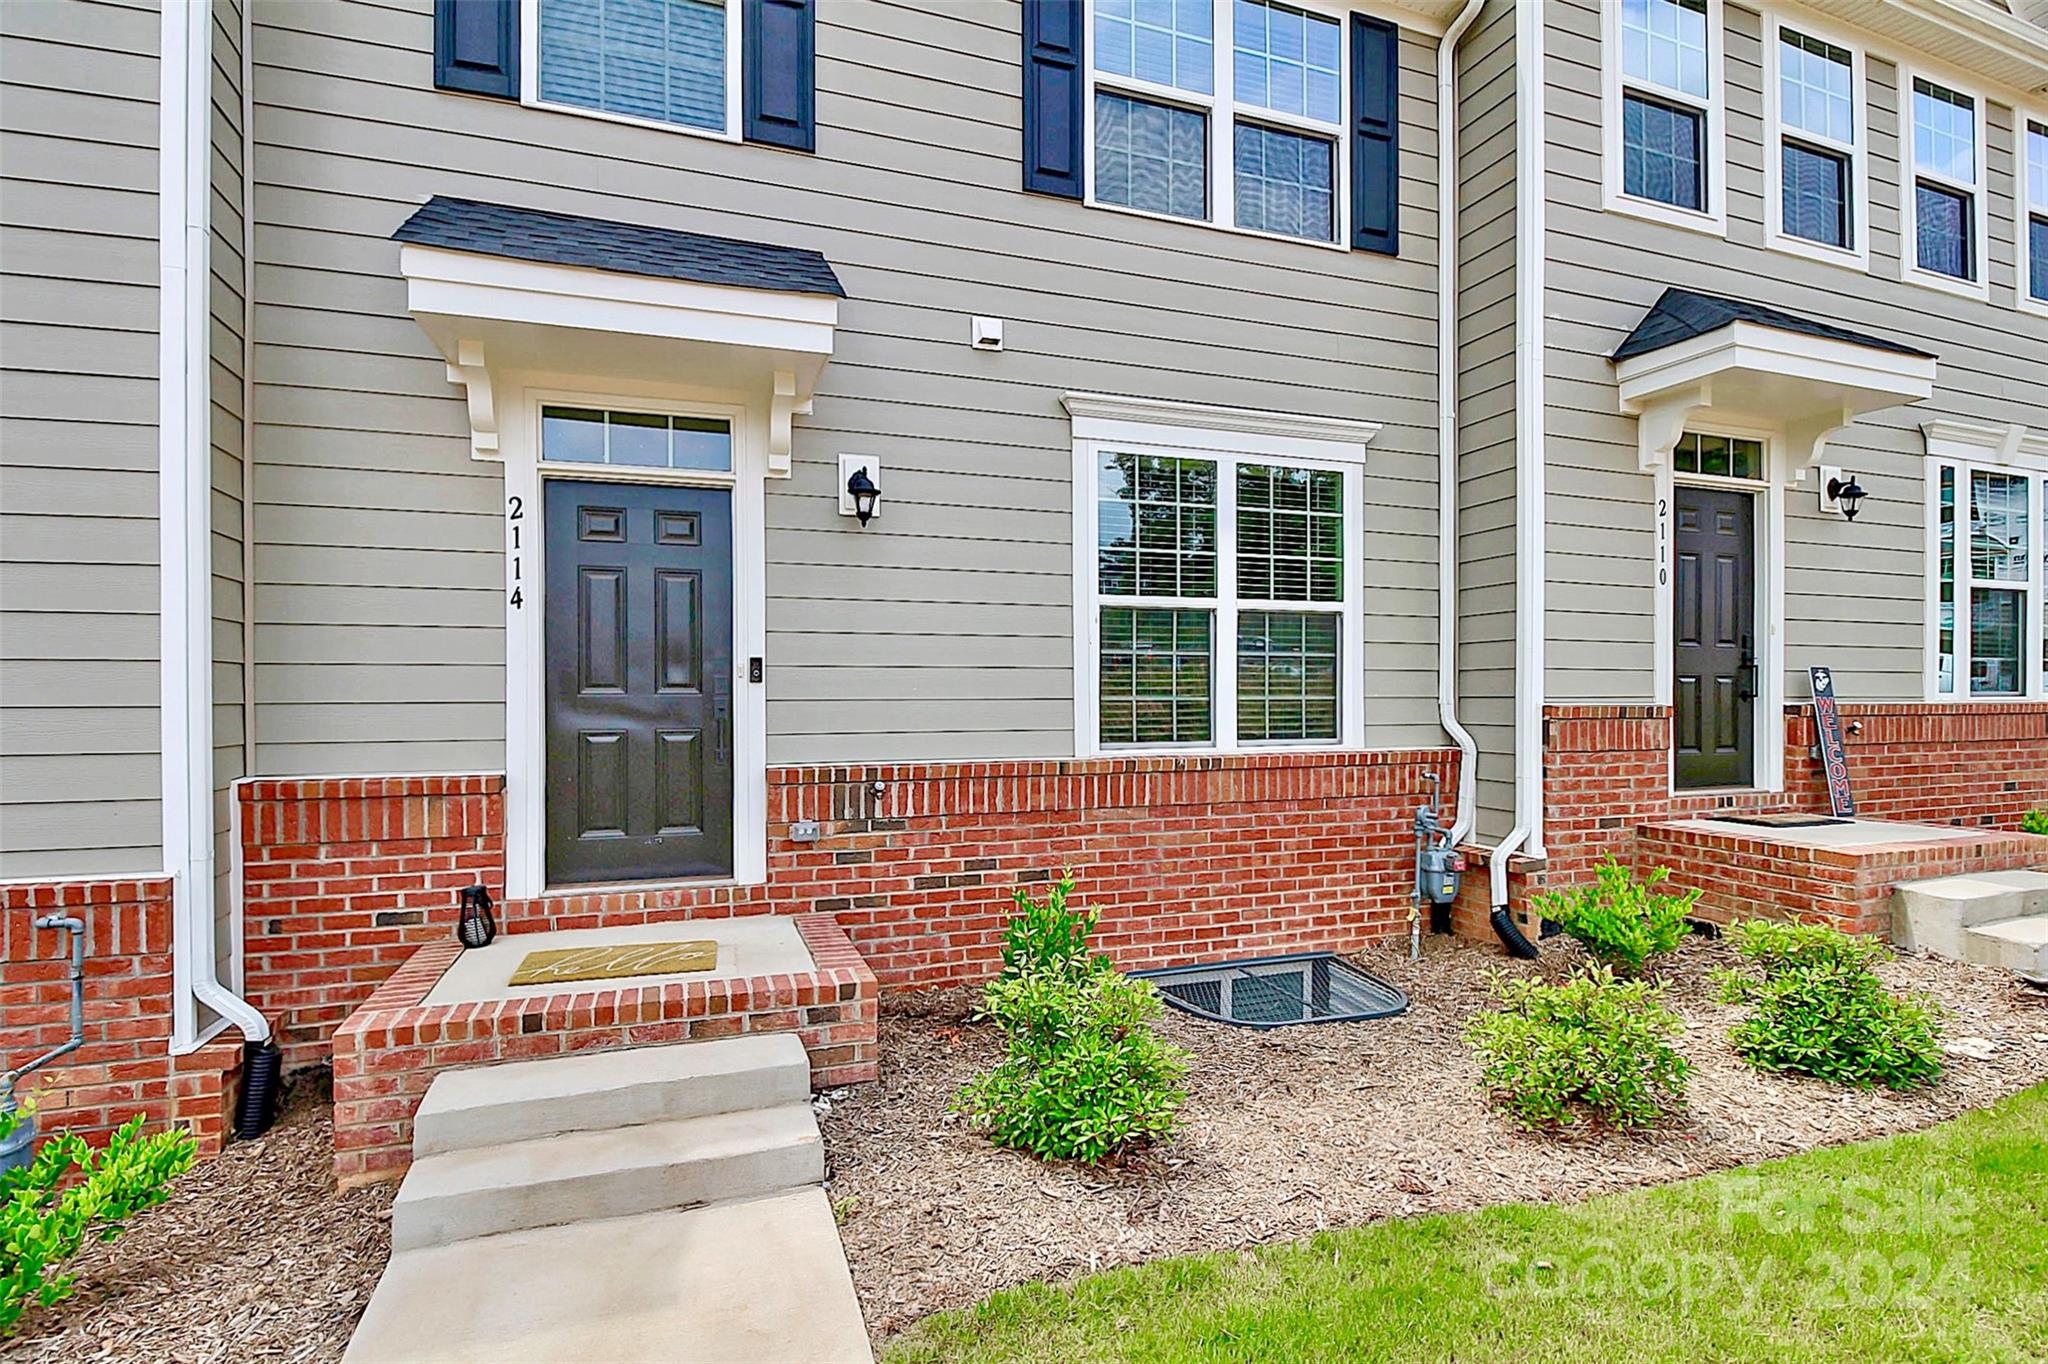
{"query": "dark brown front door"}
pixel 1713 618
pixel 639 685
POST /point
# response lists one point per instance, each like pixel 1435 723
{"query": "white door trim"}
pixel 1768 774
pixel 520 396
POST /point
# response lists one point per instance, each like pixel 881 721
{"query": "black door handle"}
pixel 1745 677
pixel 721 720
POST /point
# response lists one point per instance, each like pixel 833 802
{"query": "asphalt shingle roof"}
pixel 630 248
pixel 1681 314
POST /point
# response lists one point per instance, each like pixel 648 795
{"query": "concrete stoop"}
pixel 655 1203
pixel 1991 918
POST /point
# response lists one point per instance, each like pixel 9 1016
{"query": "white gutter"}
pixel 248 409
pixel 1447 464
pixel 1530 514
pixel 184 519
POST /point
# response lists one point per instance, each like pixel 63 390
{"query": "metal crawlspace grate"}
pixel 1271 992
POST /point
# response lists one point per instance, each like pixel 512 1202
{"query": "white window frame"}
pixel 529 79
pixel 1856 150
pixel 1714 220
pixel 1230 437
pixel 1221 111
pixel 1910 176
pixel 2034 590
pixel 2022 222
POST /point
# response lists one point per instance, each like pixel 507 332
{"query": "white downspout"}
pixel 184 510
pixel 1530 513
pixel 1447 419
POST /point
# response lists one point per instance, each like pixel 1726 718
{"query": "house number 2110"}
pixel 515 513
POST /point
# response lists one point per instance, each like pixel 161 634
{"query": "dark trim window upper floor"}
pixel 1664 119
pixel 1817 140
pixel 2033 283
pixel 1943 200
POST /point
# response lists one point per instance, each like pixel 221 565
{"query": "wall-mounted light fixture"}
pixel 1841 492
pixel 860 486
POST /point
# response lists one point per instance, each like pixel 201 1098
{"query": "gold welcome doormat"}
pixel 620 959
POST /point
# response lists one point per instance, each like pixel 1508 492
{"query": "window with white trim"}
pixel 1945 194
pixel 2034 221
pixel 1223 600
pixel 1669 86
pixel 1817 130
pixel 1992 550
pixel 1226 113
pixel 672 62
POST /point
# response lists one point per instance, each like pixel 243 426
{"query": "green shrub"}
pixel 2034 822
pixel 43 1225
pixel 1817 1008
pixel 1593 1044
pixel 1046 936
pixel 1085 1076
pixel 1621 920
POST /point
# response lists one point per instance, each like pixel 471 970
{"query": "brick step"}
pixel 593 1090
pixel 575 1176
pixel 1939 915
pixel 2016 944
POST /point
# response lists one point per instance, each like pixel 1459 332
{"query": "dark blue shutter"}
pixel 1375 136
pixel 476 47
pixel 778 81
pixel 1052 97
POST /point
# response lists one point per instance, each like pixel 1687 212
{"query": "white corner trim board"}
pixel 1531 515
pixel 184 522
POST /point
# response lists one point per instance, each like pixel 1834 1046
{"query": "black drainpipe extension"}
pixel 1511 936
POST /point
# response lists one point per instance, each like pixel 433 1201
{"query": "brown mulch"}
pixel 254 1257
pixel 1297 1129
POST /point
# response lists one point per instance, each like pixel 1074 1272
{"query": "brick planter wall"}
pixel 125 1066
pixel 390 1050
pixel 1185 857
pixel 343 877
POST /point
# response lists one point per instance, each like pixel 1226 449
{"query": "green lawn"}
pixel 1927 1246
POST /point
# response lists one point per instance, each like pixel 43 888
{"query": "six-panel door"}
pixel 1713 616
pixel 639 682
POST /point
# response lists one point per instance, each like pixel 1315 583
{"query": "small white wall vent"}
pixel 988 333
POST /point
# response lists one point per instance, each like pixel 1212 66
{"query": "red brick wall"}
pixel 1185 857
pixel 1607 770
pixel 343 877
pixel 125 1066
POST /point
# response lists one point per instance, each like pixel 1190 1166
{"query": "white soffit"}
pixel 1970 35
pixel 1809 387
pixel 493 314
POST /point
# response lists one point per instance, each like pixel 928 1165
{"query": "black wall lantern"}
pixel 861 488
pixel 1847 494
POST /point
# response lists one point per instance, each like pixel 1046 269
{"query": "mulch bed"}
pixel 1294 1130
pixel 254 1257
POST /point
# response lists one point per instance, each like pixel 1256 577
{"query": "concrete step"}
pixel 762 1280
pixel 548 1181
pixel 1933 916
pixel 2016 944
pixel 591 1091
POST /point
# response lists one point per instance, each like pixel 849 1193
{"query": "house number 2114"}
pixel 514 514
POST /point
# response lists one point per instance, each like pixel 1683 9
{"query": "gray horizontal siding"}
pixel 79 733
pixel 1607 268
pixel 378 607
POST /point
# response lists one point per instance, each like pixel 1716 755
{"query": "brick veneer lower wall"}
pixel 343 877
pixel 1607 771
pixel 390 1050
pixel 125 1066
pixel 1185 858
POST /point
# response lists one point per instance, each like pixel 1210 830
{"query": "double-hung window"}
pixel 1992 586
pixel 1818 135
pixel 671 62
pixel 1944 196
pixel 1229 113
pixel 1225 600
pixel 1664 109
pixel 2033 228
